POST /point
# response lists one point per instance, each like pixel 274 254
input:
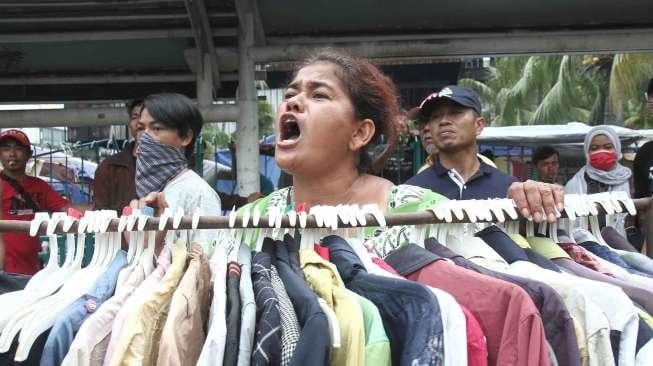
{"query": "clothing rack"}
pixel 223 222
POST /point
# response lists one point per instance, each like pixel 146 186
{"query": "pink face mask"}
pixel 603 159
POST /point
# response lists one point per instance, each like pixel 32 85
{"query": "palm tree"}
pixel 560 89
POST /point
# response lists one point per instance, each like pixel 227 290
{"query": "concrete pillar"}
pixel 204 86
pixel 204 81
pixel 247 149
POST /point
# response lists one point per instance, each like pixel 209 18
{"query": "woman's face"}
pixel 161 132
pixel 601 142
pixel 315 126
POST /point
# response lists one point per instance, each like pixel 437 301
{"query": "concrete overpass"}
pixel 94 53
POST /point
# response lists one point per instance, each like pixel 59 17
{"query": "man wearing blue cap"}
pixel 454 119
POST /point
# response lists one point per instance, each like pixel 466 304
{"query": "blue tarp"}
pixel 268 169
pixel 506 150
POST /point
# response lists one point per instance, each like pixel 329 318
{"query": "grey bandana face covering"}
pixel 156 164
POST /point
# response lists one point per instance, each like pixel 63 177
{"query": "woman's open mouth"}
pixel 289 130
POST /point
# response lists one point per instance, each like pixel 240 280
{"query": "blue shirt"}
pixel 70 319
pixel 487 182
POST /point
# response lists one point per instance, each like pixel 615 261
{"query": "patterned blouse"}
pixel 401 199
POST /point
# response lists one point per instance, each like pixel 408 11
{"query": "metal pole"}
pixel 222 222
pixel 75 117
pixel 247 151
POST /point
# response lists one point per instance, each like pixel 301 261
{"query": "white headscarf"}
pixel 616 176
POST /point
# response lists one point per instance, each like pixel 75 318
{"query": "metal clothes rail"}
pixel 222 222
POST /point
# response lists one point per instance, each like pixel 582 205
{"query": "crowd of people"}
pixel 333 114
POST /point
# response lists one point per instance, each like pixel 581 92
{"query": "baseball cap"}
pixel 17 135
pixel 458 94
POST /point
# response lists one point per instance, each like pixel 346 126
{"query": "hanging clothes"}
pixel 267 340
pixel 233 314
pixel 183 332
pixel 214 345
pixel 377 344
pixel 139 341
pixel 72 317
pixel 410 312
pixel 290 330
pixel 313 346
pixel 92 340
pixel 557 321
pixel 324 280
pixel 248 307
pixel 133 303
pixel 512 324
pixel 558 324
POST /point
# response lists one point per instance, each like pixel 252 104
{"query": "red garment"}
pixel 510 321
pixel 581 256
pixel 385 266
pixel 322 252
pixel 21 250
pixel 476 343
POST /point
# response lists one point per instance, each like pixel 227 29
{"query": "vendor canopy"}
pixel 572 133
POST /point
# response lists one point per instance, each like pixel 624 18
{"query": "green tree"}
pixel 214 139
pixel 560 89
pixel 265 119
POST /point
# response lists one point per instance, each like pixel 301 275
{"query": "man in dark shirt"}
pixel 642 171
pixel 114 186
pixel 454 118
pixel 546 160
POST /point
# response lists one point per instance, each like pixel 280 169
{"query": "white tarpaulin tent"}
pixel 572 133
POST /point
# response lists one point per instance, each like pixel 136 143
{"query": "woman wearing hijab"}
pixel 602 172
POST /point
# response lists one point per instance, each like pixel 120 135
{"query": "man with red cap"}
pixel 22 196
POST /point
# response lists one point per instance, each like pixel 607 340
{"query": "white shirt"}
pixel 617 307
pixel 189 191
pixel 216 337
pixel 454 327
pixel 247 307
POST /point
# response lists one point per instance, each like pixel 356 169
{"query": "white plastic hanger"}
pixel 28 311
pixel 596 230
pixel 624 199
pixel 148 257
pixel 530 229
pixel 35 224
pixel 53 221
pixel 375 211
pixel 163 220
pixel 46 310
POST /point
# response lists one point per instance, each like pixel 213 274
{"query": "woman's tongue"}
pixel 291 131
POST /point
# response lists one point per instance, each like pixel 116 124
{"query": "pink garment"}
pixel 476 343
pixel 322 252
pixel 138 297
pixel 385 266
pixel 92 339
